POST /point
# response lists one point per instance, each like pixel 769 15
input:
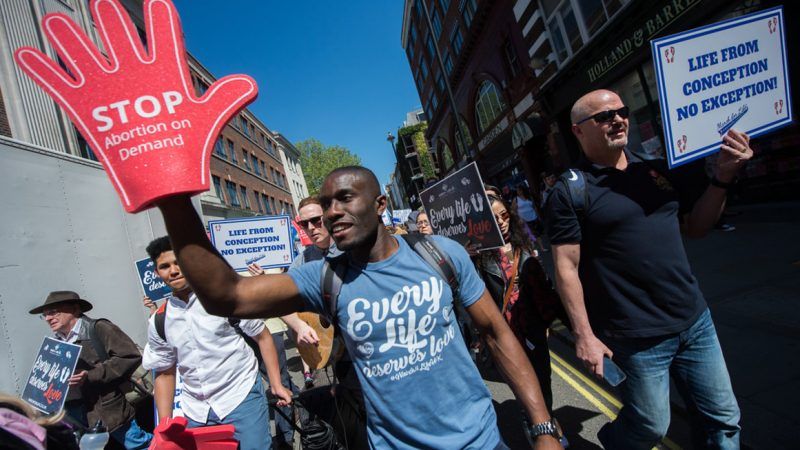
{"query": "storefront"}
pixel 618 57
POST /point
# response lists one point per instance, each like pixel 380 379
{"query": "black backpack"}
pixel 575 181
pixel 334 270
pixel 161 317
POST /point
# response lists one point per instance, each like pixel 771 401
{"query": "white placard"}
pixel 265 240
pixel 731 74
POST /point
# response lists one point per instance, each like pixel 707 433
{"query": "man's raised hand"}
pixel 136 104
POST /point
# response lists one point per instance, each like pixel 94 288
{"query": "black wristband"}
pixel 721 184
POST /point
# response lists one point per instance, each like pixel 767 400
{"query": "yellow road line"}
pixel 593 399
pixel 586 394
pixel 605 394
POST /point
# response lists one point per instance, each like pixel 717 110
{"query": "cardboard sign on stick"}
pixel 137 108
pixel 731 74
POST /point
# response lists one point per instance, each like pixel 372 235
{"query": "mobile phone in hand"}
pixel 612 373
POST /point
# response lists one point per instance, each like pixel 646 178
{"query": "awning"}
pixel 527 129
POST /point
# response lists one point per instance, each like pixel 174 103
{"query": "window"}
pixel 429 46
pixel 83 146
pixel 413 35
pixel 232 151
pixel 244 126
pixel 272 202
pixel 258 202
pixel 256 168
pixel 467 8
pixel 219 148
pixel 448 64
pixel 571 23
pixel 244 197
pixel 420 86
pixel 261 163
pixel 245 160
pixel 410 50
pixel 440 81
pixel 446 159
pixel 456 41
pixel 218 187
pixel 232 194
pixel 423 67
pixel 512 60
pixel 418 6
pixel 460 150
pixel 201 88
pixel 488 105
pixel 433 104
pixel 264 200
pixel 445 4
pixel 436 22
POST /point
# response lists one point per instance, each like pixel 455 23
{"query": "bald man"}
pixel 625 280
pixel 395 313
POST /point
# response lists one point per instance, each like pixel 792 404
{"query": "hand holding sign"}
pixel 136 108
pixel 735 152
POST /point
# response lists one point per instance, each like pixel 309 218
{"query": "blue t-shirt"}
pixel 421 388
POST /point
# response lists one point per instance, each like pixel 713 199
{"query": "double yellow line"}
pixel 591 390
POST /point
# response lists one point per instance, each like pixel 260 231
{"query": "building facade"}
pixel 471 66
pixel 290 156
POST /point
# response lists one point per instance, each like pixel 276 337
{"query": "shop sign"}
pixel 493 133
pixel 715 78
pixel 626 46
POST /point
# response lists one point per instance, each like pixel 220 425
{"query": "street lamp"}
pixel 390 137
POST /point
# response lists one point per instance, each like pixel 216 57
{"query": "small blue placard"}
pixel 48 383
pixel 152 285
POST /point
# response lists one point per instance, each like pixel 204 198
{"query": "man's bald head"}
pixel 371 184
pixel 588 104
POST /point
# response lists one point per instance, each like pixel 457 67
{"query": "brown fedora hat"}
pixel 58 297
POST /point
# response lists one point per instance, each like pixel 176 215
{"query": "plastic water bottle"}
pixel 96 438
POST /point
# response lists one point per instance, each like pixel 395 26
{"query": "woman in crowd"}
pixel 526 210
pixel 522 291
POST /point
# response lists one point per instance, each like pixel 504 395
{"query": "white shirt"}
pixel 73 334
pixel 217 366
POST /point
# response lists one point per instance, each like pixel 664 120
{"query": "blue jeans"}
pixel 694 358
pixel 250 419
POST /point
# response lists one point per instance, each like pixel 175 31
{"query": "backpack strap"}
pixel 160 317
pixel 333 272
pixel 97 344
pixel 425 247
pixel 578 194
pixel 234 322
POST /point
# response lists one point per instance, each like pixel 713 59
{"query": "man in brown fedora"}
pixel 95 392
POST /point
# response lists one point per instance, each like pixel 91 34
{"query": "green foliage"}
pixel 318 160
pixel 417 133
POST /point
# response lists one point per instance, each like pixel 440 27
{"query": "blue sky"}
pixel 331 70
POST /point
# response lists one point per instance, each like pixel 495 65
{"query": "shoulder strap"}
pixel 97 344
pixel 513 281
pixel 234 322
pixel 576 186
pixel 333 272
pixel 425 247
pixel 159 319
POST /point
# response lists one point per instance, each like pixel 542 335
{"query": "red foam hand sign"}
pixel 172 434
pixel 137 107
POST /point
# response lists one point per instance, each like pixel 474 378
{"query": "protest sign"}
pixel 152 285
pixel 386 217
pixel 264 240
pixel 457 207
pixel 48 383
pixel 731 74
pixel 137 107
pixel 400 216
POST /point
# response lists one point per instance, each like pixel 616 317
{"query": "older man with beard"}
pixel 625 280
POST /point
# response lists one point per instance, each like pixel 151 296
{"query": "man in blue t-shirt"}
pixel 421 388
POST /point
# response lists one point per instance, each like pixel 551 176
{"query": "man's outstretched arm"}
pixel 218 287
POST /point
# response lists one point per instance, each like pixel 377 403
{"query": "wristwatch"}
pixel 721 184
pixel 550 427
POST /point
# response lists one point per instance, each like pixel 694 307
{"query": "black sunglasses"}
pixel 316 221
pixel 607 116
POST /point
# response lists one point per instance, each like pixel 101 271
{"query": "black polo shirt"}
pixel 633 267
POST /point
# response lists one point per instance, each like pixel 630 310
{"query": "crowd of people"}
pixel 415 331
